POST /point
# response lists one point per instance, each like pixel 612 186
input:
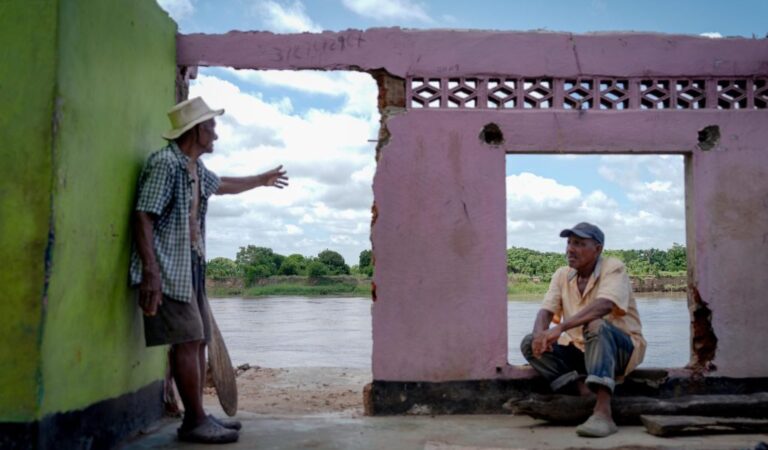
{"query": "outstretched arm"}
pixel 235 185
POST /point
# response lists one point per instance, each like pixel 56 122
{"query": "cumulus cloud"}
pixel 356 87
pixel 712 35
pixel 389 10
pixel 539 207
pixel 287 17
pixel 177 9
pixel 327 154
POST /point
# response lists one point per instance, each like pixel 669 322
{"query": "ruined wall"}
pixel 83 104
pixel 438 229
pixel 27 80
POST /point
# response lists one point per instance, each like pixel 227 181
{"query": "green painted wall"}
pixel 116 80
pixel 84 87
pixel 27 78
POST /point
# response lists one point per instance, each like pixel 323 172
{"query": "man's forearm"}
pixel 144 234
pixel 236 185
pixel 595 310
pixel 543 319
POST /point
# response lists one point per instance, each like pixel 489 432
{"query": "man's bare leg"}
pixel 186 372
pixel 583 389
pixel 203 368
pixel 603 405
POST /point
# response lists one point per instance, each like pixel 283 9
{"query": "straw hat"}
pixel 187 114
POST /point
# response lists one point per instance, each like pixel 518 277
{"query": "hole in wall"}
pixel 492 134
pixel 639 203
pixel 709 137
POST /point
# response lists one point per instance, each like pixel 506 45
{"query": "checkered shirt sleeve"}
pixel 155 185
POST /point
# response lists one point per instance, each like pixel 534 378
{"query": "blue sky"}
pixel 318 124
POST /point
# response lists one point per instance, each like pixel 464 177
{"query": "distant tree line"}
pixel 651 262
pixel 253 263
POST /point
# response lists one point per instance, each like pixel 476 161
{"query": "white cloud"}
pixel 177 9
pixel 285 17
pixel 357 87
pixel 538 207
pixel 652 182
pixel 712 35
pixel 389 10
pixel 329 162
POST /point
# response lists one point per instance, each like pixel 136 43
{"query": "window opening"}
pixel 638 202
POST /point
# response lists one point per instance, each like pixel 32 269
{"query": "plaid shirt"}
pixel 165 190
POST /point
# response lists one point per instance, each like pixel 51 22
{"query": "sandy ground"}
pixel 298 391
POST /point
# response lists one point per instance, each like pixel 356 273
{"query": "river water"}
pixel 336 332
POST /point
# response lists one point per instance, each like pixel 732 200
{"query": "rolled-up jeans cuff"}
pixel 608 382
pixel 564 379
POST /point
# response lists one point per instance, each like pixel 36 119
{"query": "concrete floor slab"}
pixel 484 432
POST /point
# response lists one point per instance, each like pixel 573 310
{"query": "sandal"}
pixel 230 424
pixel 596 426
pixel 208 432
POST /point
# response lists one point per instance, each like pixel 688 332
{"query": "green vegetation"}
pixel 335 286
pixel 259 271
pixel 524 286
pixel 640 263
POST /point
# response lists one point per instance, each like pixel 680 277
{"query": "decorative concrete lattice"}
pixel 761 94
pixel 732 94
pixel 587 93
pixel 578 94
pixel 537 93
pixel 691 94
pixel 426 93
pixel 462 93
pixel 614 94
pixel 655 94
pixel 502 93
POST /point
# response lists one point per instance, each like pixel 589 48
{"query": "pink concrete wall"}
pixel 730 196
pixel 439 242
pixel 439 239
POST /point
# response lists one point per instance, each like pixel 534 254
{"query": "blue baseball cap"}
pixel 585 230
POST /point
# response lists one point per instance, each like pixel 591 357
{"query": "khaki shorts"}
pixel 177 322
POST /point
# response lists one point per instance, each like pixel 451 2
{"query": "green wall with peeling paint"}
pixel 27 79
pixel 108 74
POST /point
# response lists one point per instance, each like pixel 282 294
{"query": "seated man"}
pixel 597 331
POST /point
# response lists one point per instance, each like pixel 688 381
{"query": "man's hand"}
pixel 275 177
pixel 150 291
pixel 544 340
pixel 235 185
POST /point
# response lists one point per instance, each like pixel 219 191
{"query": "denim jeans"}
pixel 607 352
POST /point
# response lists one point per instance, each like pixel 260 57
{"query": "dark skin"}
pixel 188 358
pixel 582 254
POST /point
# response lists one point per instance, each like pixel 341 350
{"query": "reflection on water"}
pixel 336 332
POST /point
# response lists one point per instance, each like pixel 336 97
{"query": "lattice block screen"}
pixel 586 93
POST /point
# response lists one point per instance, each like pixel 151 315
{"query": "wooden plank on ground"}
pixel 573 409
pixel 694 425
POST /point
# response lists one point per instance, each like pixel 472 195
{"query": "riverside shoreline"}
pixel 353 286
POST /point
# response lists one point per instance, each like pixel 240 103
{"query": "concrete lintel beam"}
pixel 525 54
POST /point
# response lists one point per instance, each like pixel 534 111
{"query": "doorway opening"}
pixel 639 203
pixel 289 270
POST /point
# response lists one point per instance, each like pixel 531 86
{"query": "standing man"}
pixel 168 261
pixel 597 338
